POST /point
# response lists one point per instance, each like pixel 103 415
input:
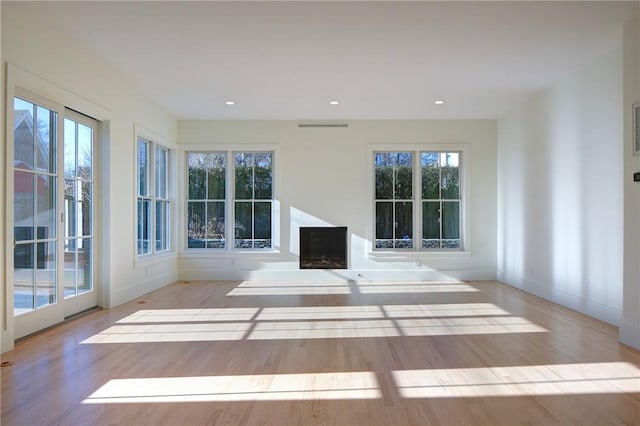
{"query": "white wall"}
pixel 630 327
pixel 3 197
pixel 62 69
pixel 560 192
pixel 321 178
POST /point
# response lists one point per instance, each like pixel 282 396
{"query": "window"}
pixel 253 199
pixel 162 200
pixel 153 196
pixel 426 204
pixel 394 199
pixel 206 204
pixel 440 199
pixel 248 199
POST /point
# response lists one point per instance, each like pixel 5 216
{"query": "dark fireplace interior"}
pixel 323 247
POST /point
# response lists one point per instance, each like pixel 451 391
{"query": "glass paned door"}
pixel 35 205
pixel 53 213
pixel 78 207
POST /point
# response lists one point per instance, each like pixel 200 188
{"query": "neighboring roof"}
pixel 23 119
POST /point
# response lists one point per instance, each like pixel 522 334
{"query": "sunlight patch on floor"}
pixel 290 291
pixel 325 329
pixel 443 310
pixel 554 379
pixel 391 328
pixel 164 333
pixel 266 387
pixel 190 315
pixel 415 288
pixel 320 313
pixel 283 288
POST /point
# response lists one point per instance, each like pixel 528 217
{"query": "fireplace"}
pixel 323 247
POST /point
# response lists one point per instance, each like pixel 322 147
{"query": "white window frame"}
pixel 225 200
pixel 144 196
pixel 229 233
pixel 234 200
pixel 417 250
pixel 162 199
pixel 154 142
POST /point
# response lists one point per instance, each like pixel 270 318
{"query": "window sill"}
pixel 208 253
pixel 412 254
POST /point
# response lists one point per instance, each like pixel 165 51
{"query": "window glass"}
pixel 154 204
pixel 206 204
pixel 253 173
pixel 440 200
pixel 394 205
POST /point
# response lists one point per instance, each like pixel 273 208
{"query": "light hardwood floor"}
pixel 275 353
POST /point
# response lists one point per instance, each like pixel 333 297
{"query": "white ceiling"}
pixel 287 60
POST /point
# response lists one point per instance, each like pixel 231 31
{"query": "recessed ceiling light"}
pixel 229 103
pixel 334 102
pixel 438 102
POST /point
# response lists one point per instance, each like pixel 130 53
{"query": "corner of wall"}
pixel 630 325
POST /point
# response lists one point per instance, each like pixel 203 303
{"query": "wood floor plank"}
pixel 278 353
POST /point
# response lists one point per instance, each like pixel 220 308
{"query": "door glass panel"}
pixel 84 209
pixel 78 161
pixel 84 259
pixel 46 206
pixel 45 140
pixel 23 207
pixel 70 249
pixel 69 149
pixel 23 135
pixel 70 206
pixel 35 206
pixel 85 152
pixel 46 273
pixel 23 277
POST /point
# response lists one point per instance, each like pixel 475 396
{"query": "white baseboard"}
pixel 334 275
pixel 131 292
pixel 593 308
pixel 630 334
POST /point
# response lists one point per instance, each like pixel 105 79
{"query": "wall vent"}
pixel 321 125
pixel 636 128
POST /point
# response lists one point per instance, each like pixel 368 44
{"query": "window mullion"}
pixel 440 198
pixel 417 200
pixel 152 193
pixel 230 201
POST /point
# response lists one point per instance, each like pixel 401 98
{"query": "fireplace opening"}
pixel 323 247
